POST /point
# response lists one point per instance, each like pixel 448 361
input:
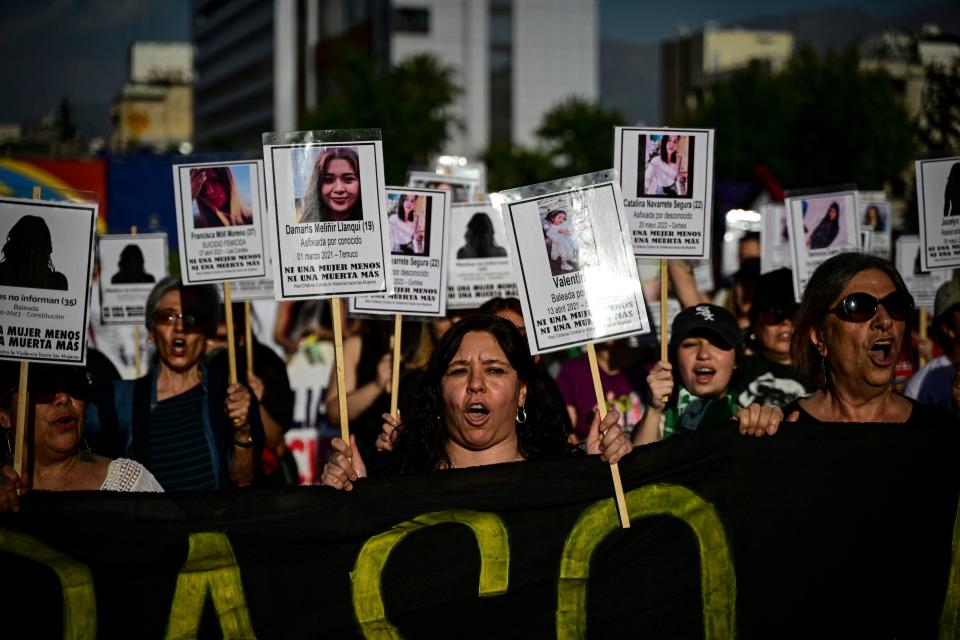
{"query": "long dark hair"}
pixel 825 286
pixel 423 438
pixel 663 150
pixel 313 207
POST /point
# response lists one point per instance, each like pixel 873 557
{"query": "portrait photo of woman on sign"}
pixel 409 224
pixel 666 166
pixel 828 227
pixel 217 198
pixel 25 260
pixel 333 191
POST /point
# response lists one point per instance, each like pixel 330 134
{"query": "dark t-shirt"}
pixel 766 382
pixel 921 415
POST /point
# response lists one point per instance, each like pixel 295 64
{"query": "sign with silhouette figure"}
pixel 938 202
pixel 480 266
pixel 129 267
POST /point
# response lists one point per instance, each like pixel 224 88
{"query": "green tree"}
pixel 939 126
pixel 410 103
pixel 822 121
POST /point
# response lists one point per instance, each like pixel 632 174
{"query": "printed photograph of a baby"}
pixel 566 234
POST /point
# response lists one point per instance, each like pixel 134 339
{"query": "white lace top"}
pixel 129 475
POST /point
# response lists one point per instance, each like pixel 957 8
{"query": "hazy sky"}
pixel 78 48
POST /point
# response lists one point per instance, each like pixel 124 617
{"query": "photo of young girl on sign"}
pixel 667 166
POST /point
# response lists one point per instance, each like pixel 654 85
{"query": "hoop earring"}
pixel 521 414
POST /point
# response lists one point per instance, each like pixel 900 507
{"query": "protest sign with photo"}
pixel 575 268
pixel 220 219
pixel 821 226
pixel 938 202
pixel 418 256
pixel 464 188
pixel 921 284
pixel 45 269
pixel 480 266
pixel 666 176
pixel 328 213
pixel 129 267
pixel 874 209
pixel 774 238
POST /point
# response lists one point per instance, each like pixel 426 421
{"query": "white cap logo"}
pixel 704 312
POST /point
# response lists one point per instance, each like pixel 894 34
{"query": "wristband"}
pixel 244 445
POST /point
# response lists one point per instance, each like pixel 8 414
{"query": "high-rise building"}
pixel 691 63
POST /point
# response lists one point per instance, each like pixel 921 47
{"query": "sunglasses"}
pixel 776 316
pixel 169 317
pixel 44 389
pixel 860 307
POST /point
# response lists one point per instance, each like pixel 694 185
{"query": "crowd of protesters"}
pixel 471 394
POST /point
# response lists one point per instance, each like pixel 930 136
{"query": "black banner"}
pixel 827 531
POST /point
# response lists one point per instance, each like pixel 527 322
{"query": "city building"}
pixel 692 63
pixel 155 108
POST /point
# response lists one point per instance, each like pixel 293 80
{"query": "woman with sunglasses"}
pixel 848 333
pixel 768 375
pixel 182 420
pixel 58 397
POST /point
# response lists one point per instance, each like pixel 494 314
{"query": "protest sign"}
pixel 480 266
pixel 666 176
pixel 575 269
pixel 921 284
pixel 130 265
pixel 821 226
pixel 874 210
pixel 938 202
pixel 220 220
pixel 774 238
pixel 418 235
pixel 464 188
pixel 328 215
pixel 45 279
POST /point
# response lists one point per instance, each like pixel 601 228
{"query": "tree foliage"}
pixel 821 121
pixel 939 126
pixel 410 103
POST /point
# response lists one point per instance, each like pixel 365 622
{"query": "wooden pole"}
pixel 663 309
pixel 248 337
pixel 395 380
pixel 137 353
pixel 338 355
pixel 231 346
pixel 602 410
pixel 923 331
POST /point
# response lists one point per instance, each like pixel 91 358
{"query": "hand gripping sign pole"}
pixel 602 410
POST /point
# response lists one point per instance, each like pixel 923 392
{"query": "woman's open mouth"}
pixel 881 352
pixel 178 346
pixel 66 422
pixel 476 413
pixel 703 375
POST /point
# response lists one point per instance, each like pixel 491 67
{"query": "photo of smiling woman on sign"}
pixel 333 192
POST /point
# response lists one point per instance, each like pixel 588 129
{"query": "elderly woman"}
pixel 848 332
pixel 182 420
pixel 58 397
pixel 480 402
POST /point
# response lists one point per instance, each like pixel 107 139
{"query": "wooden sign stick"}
pixel 602 410
pixel 248 337
pixel 923 331
pixel 137 355
pixel 663 309
pixel 231 347
pixel 395 379
pixel 338 356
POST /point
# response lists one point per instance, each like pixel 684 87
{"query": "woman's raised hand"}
pixel 660 382
pixel 389 432
pixel 608 438
pixel 758 420
pixel 345 466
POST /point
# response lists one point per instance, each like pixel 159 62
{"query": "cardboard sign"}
pixel 576 271
pixel 45 269
pixel 480 266
pixel 821 226
pixel 130 265
pixel 220 211
pixel 875 220
pixel 464 189
pixel 329 223
pixel 418 255
pixel 666 176
pixel 921 284
pixel 775 238
pixel 938 202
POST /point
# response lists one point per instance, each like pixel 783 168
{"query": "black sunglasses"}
pixel 860 307
pixel 169 317
pixel 776 316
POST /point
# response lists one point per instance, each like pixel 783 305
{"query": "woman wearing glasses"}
pixel 182 420
pixel 848 332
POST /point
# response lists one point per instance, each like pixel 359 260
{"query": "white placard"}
pixel 703 275
pixel 576 271
pixel 129 267
pixel 673 309
pixel 328 219
pixel 921 284
pixel 418 255
pixel 821 226
pixel 666 176
pixel 220 212
pixel 480 266
pixel 938 202
pixel 774 238
pixel 45 269
pixel 874 211
pixel 464 189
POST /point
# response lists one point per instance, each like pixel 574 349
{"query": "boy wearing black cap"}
pixel 704 351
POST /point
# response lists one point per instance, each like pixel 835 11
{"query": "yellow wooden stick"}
pixel 395 380
pixel 663 309
pixel 602 410
pixel 338 355
pixel 248 337
pixel 923 331
pixel 231 347
pixel 137 354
